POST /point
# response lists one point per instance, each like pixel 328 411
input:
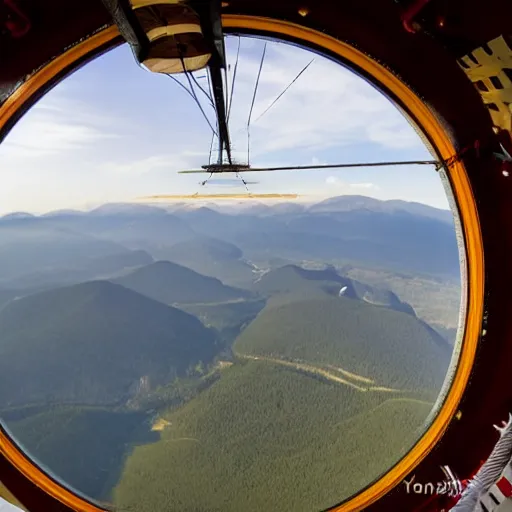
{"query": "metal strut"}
pixel 209 14
pixel 220 109
pixel 238 168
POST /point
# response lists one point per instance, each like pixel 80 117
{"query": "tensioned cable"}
pixel 226 88
pixel 210 90
pixel 289 85
pixel 202 183
pixel 233 80
pixel 181 85
pixel 203 91
pixel 252 104
pixel 192 88
pixel 211 149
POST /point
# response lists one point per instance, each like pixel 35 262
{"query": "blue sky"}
pixel 113 131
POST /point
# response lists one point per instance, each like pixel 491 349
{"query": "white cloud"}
pixel 172 162
pixel 393 135
pixel 364 185
pixel 317 161
pixel 44 136
pixel 50 128
pixel 328 106
pixel 339 184
pixel 141 166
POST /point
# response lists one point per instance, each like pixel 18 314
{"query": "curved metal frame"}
pixel 438 138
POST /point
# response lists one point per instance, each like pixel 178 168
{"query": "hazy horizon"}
pixel 230 204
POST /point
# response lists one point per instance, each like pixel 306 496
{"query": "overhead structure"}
pixel 177 36
pixel 165 35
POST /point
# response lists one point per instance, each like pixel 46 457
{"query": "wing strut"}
pixel 237 168
pixel 211 23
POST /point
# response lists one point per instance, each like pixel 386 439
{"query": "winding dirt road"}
pixel 329 375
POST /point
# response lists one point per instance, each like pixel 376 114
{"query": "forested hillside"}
pixel 211 257
pixel 171 283
pixel 229 318
pixel 92 343
pixel 391 347
pixel 261 433
pixel 299 283
pixel 85 445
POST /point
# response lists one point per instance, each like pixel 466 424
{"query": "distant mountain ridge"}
pixel 85 269
pixel 356 202
pixel 304 283
pixel 394 241
pixel 17 216
pixel 336 203
pixel 171 283
pixel 392 235
pixel 31 245
pixel 211 257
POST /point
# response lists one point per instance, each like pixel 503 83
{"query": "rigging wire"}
pixel 211 149
pixel 289 85
pixel 178 46
pixel 210 90
pixel 252 104
pixel 226 96
pixel 210 100
pixel 229 101
pixel 181 85
pixel 234 78
pixel 243 181
pixel 226 89
pixel 202 183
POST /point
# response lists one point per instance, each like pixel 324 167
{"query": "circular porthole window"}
pixel 274 339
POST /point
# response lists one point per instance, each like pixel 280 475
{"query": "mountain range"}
pixel 211 257
pixel 171 283
pixel 355 202
pixel 218 359
pixel 392 235
pixel 291 282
